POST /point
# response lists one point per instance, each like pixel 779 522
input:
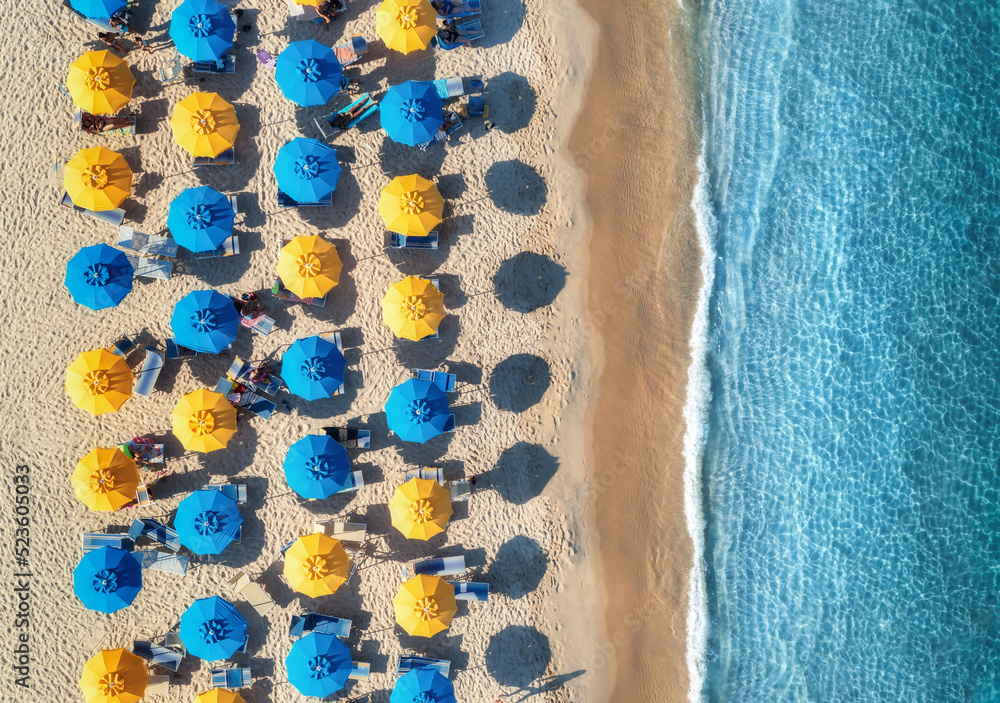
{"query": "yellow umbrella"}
pixel 105 479
pixel 204 421
pixel 309 266
pixel 99 381
pixel 219 695
pixel 411 205
pixel 316 565
pixel 425 605
pixel 420 508
pixel 413 308
pixel 97 179
pixel 100 82
pixel 204 124
pixel 114 676
pixel 406 25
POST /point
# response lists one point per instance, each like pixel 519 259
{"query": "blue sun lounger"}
pixel 360 671
pixel 236 491
pixel 176 351
pixel 325 124
pixel 226 158
pixel 230 247
pixel 150 371
pixel 162 561
pixel 350 437
pixel 123 346
pixel 471 30
pixel 231 678
pixel 467 590
pixel 303 624
pixel 474 8
pixel 454 124
pixel 409 241
pixel 285 200
pixel 443 380
pixel 111 217
pixel 228 65
pixel 351 52
pixel 239 371
pixel 249 400
pixel 354 481
pixel 156 531
pixel 95 540
pixel 151 244
pixel 435 566
pixel 407 664
pixel 169 659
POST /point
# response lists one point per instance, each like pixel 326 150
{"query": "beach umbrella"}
pixel 406 25
pixel 105 479
pixel 114 676
pixel 99 381
pixel 420 508
pixel 201 219
pixel 108 579
pixel 417 411
pixel 208 521
pixel 98 9
pixel 308 73
pixel 425 605
pixel 309 266
pixel 97 179
pixel 306 169
pixel 212 629
pixel 219 695
pixel 313 368
pixel 204 421
pixel 316 565
pixel 411 112
pixel 413 308
pixel 316 467
pixel 206 321
pixel 204 124
pixel 411 205
pixel 99 276
pixel 202 30
pixel 100 82
pixel 422 686
pixel 318 664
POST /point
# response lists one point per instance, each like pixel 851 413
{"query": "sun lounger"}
pixel 249 400
pixel 468 590
pixel 231 678
pixel 454 124
pixel 426 474
pixel 172 640
pixel 260 323
pixel 144 450
pixel 176 351
pixel 435 566
pixel 173 71
pixel 343 531
pixel 126 131
pixel 303 624
pixel 145 267
pixel 350 437
pixel 228 65
pixel 230 247
pixel 266 60
pixel 460 490
pixel 470 8
pixel 286 201
pixel 279 291
pixel 169 659
pixel 409 241
pixel 239 371
pixel 236 491
pixel 226 158
pixel 477 107
pixel 449 87
pixel 142 497
pixel 95 540
pixel 470 31
pixel 157 685
pixel 360 671
pixel 123 346
pixel 351 52
pixel 354 482
pixel 150 371
pixel 325 124
pixel 407 664
pixel 444 381
pixel 156 531
pixel 248 589
pixel 162 561
pixel 151 244
pixel 111 217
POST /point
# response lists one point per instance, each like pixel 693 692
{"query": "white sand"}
pixel 522 530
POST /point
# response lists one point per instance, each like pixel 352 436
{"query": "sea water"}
pixel 850 469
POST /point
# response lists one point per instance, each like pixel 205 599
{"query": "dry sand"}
pixel 512 268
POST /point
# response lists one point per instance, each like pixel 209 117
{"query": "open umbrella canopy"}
pixel 422 686
pixel 206 321
pixel 318 664
pixel 406 25
pixel 204 421
pixel 100 82
pixel 97 179
pixel 316 466
pixel 105 479
pixel 420 508
pixel 114 676
pixel 417 411
pixel 204 124
pixel 107 579
pixel 308 73
pixel 411 205
pixel 413 308
pixel 425 605
pixel 309 266
pixel 307 170
pixel 99 276
pixel 411 112
pixel 208 521
pixel 313 368
pixel 99 381
pixel 316 565
pixel 219 695
pixel 202 30
pixel 98 9
pixel 201 219
pixel 212 629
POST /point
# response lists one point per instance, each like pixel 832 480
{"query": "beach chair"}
pixel 150 244
pixel 286 201
pixel 447 88
pixel 228 65
pixel 454 125
pixel 239 371
pixel 460 490
pixel 92 541
pixel 279 291
pixel 326 126
pixel 360 671
pixel 468 590
pixel 123 346
pixel 434 566
pixel 176 351
pixel 226 158
pixel 426 474
pixel 230 247
pixel 145 267
pixel 350 437
pixel 144 450
pixel 162 561
pixel 260 323
pixel 231 678
pixel 343 531
pixel 157 685
pixel 409 241
pixel 236 491
pixel 303 624
pixel 249 400
pixel 354 482
pixel 173 71
pixel 444 381
pixel 155 531
pixel 409 663
pixel 142 497
pixel 351 52
pixel 470 30
pixel 150 371
pixel 166 657
pixel 126 131
pixel 266 60
pixel 477 107
pixel 111 217
pixel 474 8
pixel 172 640
pixel 250 591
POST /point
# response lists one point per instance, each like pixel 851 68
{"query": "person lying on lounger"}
pixel 342 120
pixel 446 7
pixel 98 124
pixel 260 375
pixel 449 33
pixel 248 304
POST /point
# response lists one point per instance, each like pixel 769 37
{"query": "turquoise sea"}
pixel 847 439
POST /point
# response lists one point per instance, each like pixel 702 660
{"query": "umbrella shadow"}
pixel 516 187
pixel 519 382
pixel 518 568
pixel 512 100
pixel 528 281
pixel 502 21
pixel 518 655
pixel 522 472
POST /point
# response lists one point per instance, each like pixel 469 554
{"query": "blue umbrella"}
pixel 207 521
pixel 417 411
pixel 318 664
pixel 308 73
pixel 99 276
pixel 422 686
pixel 107 579
pixel 316 467
pixel 201 219
pixel 98 9
pixel 202 30
pixel 213 629
pixel 411 112
pixel 205 321
pixel 313 368
pixel 306 169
